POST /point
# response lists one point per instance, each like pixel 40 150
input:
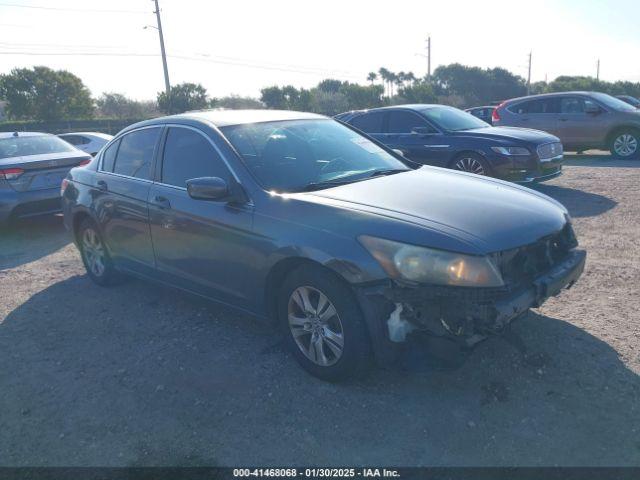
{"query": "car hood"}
pixel 509 133
pixel 491 215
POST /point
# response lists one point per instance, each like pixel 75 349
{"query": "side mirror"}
pixel 208 188
pixel 421 130
pixel 592 109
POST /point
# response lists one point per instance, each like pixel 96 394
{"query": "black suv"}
pixel 447 137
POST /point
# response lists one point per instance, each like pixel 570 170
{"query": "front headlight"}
pixel 509 151
pixel 427 265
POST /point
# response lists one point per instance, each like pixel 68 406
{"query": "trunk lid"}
pixel 42 171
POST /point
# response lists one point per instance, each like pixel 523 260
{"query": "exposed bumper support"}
pixel 466 315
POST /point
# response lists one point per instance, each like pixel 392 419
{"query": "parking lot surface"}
pixel 142 375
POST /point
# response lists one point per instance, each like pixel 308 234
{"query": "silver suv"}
pixel 582 120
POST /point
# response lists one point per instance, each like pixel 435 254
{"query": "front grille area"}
pixel 549 150
pixel 525 263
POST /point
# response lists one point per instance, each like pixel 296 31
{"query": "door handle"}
pixel 563 119
pixel 102 185
pixel 162 203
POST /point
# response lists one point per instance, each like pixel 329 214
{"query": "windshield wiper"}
pixel 335 183
pixel 309 187
pixel 391 171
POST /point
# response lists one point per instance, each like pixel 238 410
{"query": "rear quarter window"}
pixel 109 157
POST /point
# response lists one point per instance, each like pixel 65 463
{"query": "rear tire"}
pixel 95 256
pixel 471 163
pixel 323 325
pixel 625 144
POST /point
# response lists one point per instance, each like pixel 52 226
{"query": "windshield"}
pixel 294 155
pixel 613 102
pixel 449 118
pixel 36 145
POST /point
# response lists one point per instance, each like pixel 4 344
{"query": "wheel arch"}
pixel 76 221
pixel 466 151
pixel 620 128
pixel 278 273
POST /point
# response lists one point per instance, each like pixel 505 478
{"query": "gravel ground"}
pixel 144 375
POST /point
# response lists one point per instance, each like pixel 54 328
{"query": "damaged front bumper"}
pixel 466 315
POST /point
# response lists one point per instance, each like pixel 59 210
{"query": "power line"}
pixel 61 9
pixel 22 45
pixel 238 62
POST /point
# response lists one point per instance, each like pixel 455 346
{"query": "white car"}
pixel 90 142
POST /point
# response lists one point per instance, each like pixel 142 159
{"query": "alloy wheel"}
pixel 315 326
pixel 471 165
pixel 93 251
pixel 625 145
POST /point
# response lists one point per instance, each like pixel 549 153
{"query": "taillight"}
pixel 495 116
pixel 84 163
pixel 63 186
pixel 11 173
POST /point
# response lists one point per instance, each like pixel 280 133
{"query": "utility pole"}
pixel 167 85
pixel 429 57
pixel 529 75
pixel 598 71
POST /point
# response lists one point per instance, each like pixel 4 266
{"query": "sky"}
pixel 241 46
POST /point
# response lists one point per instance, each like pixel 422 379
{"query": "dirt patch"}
pixel 144 375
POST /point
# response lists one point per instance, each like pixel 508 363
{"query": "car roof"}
pixel 23 134
pixel 548 95
pixel 418 107
pixel 223 118
pixel 88 134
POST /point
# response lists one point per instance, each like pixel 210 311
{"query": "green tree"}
pixel 234 102
pixel 41 93
pixel 116 105
pixel 418 92
pixel 476 85
pixel 183 97
pixel 372 77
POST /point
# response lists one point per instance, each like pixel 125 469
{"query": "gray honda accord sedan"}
pixel 296 218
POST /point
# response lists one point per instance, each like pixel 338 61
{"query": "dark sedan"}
pixel 302 220
pixel 32 166
pixel 448 137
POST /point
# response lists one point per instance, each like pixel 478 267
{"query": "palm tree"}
pixel 372 77
pixel 393 79
pixel 409 77
pixel 385 75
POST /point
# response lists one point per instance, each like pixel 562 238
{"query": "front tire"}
pixel 95 256
pixel 471 163
pixel 624 144
pixel 323 325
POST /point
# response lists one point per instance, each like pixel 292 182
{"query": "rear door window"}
pixel 369 122
pixel 571 105
pixel 187 155
pixel 542 105
pixel 135 155
pixel 404 122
